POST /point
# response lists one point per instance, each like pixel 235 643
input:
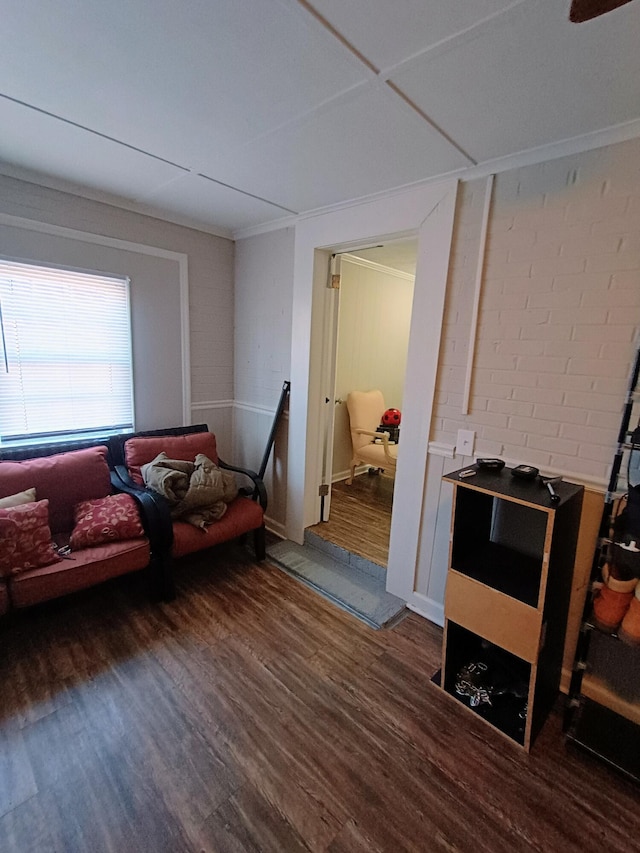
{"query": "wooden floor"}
pixel 360 517
pixel 252 715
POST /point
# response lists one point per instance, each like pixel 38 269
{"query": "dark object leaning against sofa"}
pixel 67 494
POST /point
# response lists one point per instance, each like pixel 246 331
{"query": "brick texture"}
pixel 559 316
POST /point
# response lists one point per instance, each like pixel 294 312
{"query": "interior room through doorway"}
pixel 375 301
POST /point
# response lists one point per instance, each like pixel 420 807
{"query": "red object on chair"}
pixel 392 417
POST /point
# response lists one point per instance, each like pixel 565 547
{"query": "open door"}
pixel 366 334
pixel 329 356
pixel 427 210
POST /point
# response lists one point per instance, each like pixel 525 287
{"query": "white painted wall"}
pixel 373 337
pixel 262 356
pixel 207 263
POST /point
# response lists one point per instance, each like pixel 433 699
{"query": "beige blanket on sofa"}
pixel 198 492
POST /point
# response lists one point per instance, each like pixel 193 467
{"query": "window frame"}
pixel 53 436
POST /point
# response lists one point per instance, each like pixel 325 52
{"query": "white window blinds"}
pixel 65 352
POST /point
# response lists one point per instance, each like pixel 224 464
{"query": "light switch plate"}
pixel 465 442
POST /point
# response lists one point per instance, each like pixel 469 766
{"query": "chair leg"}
pixel 259 543
pixel 166 579
pixel 353 472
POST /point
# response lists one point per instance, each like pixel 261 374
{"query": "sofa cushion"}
pixel 64 480
pixel 109 519
pixel 26 497
pixel 242 515
pixel 82 569
pixel 143 449
pixel 25 538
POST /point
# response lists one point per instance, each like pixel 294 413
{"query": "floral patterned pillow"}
pixel 25 538
pixel 103 520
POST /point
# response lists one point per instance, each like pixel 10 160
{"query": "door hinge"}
pixel 335 268
pixel 323 490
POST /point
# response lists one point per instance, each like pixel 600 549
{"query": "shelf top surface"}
pixel 503 484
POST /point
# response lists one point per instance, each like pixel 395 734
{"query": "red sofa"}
pixel 245 514
pixel 65 480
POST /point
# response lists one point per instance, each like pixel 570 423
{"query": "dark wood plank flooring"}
pixel 252 715
pixel 360 517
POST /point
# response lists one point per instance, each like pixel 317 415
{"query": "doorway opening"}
pixel 367 346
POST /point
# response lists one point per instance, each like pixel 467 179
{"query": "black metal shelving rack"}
pixel 603 706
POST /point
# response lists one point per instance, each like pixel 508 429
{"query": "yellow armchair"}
pixel 370 445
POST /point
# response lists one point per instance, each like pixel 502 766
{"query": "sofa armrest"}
pixel 258 492
pixel 154 510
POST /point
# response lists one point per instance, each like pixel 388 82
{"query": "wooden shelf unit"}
pixel 597 689
pixel 511 559
pixel 603 708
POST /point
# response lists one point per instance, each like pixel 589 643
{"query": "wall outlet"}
pixel 464 444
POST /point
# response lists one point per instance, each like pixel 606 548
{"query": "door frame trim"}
pixel 429 212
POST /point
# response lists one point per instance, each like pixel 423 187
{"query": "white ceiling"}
pixel 398 255
pixel 228 114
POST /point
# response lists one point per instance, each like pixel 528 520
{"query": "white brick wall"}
pixel 559 316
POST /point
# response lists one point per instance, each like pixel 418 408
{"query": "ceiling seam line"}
pixel 407 100
pixel 338 35
pixel 184 169
pixel 300 117
pixel 244 192
pixel 401 66
pixel 94 132
pixel 381 79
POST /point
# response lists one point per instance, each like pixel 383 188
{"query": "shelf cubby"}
pixel 507 711
pixel 511 560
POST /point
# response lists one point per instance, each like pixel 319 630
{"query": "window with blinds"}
pixel 65 353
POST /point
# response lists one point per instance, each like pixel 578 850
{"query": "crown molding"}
pixel 555 150
pixel 61 185
pixel 529 157
pixel 550 151
pixel 372 265
pixel 266 227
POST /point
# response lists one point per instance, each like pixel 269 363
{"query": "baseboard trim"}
pixel 344 475
pixel 275 527
pixel 427 608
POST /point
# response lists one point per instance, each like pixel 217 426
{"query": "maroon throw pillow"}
pixel 101 520
pixel 25 538
pixel 64 480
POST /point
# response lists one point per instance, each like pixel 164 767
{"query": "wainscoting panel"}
pixel 433 551
pixel 219 418
pixel 252 425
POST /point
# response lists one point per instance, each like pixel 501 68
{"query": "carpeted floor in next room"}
pixel 250 714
